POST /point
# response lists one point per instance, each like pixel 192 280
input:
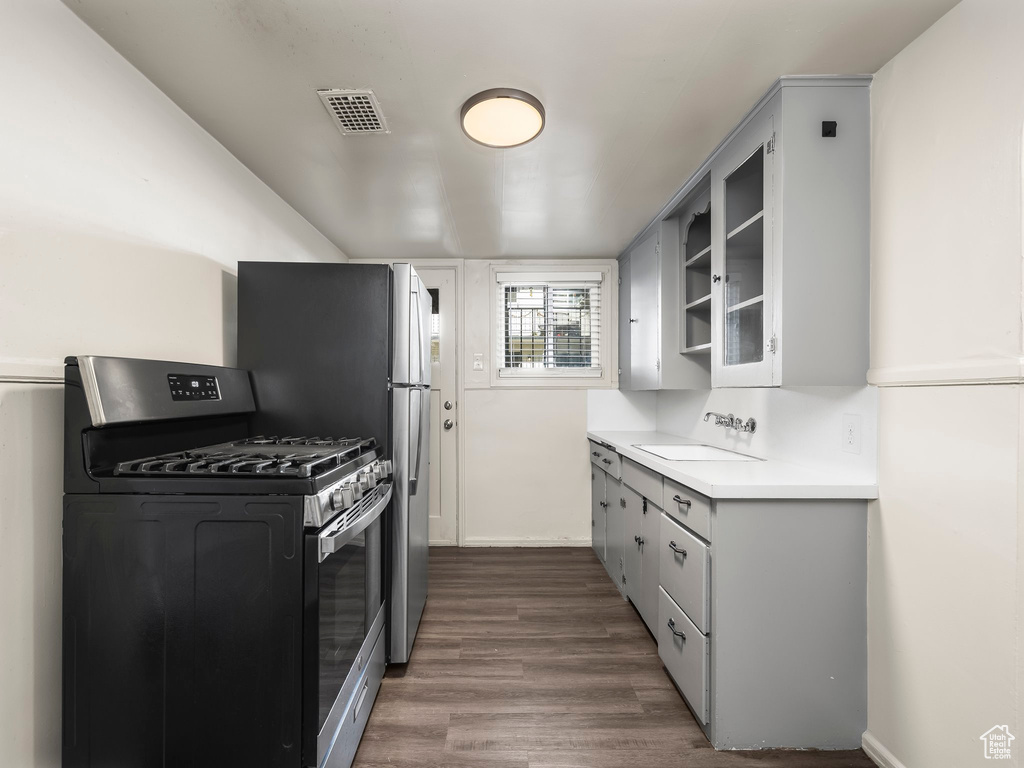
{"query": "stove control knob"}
pixel 370 479
pixel 342 498
pixel 357 489
pixel 387 468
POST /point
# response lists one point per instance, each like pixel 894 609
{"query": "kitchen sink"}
pixel 694 453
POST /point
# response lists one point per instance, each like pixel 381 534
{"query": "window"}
pixel 549 324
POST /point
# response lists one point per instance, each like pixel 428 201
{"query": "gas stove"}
pixel 245 577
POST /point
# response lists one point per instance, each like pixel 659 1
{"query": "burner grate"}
pixel 303 457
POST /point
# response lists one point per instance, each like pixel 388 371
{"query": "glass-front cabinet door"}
pixel 741 279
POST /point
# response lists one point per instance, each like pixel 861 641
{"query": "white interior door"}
pixel 444 411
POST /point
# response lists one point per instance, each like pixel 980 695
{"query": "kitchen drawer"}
pixel 689 508
pixel 644 481
pixel 685 656
pixel 607 459
pixel 685 571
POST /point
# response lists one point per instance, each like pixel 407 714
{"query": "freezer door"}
pixel 412 329
pixel 411 510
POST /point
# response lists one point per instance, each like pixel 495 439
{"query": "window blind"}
pixel 549 324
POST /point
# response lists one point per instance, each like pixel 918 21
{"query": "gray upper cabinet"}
pixel 650 306
pixel 625 286
pixel 741 256
pixel 761 258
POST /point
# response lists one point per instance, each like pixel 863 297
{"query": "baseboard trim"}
pixel 994 370
pixel 512 542
pixel 878 753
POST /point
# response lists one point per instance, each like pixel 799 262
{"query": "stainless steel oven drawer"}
pixel 357 712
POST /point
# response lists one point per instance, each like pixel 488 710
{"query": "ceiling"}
pixel 637 94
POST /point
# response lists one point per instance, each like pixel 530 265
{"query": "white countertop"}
pixel 766 479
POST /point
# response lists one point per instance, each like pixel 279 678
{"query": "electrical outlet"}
pixel 478 361
pixel 851 432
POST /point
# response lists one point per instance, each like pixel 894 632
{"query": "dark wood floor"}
pixel 529 658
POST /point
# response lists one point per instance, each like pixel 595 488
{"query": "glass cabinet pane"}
pixel 744 262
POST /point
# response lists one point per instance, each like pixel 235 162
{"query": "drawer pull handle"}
pixel 606 461
pixel 680 500
pixel 676 632
pixel 595 453
pixel 636 539
pixel 677 550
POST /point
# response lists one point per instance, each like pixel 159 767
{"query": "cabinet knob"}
pixel 634 319
pixel 716 278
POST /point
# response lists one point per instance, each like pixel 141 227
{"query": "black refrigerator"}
pixel 346 348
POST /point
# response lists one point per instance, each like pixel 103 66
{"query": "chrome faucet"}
pixel 732 422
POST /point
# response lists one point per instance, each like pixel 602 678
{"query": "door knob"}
pixel 447 405
pixel 448 424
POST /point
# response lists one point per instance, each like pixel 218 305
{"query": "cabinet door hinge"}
pixel 622 503
pixel 770 346
pixel 657 364
pixel 657 249
pixel 620 281
pixel 645 506
pixel 771 145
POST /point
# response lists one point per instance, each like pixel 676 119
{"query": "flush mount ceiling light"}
pixel 502 117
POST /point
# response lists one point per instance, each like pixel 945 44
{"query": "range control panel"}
pixel 186 387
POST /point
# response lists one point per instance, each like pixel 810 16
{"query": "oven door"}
pixel 343 618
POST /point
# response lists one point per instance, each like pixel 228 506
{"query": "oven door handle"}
pixel 334 537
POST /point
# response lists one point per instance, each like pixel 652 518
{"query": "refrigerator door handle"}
pixel 416 361
pixel 426 310
pixel 414 422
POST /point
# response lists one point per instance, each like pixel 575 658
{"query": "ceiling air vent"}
pixel 354 111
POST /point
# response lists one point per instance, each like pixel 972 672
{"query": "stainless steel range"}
pixel 223 604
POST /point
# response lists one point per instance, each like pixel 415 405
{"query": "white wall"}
pixel 616 409
pixel 121 223
pixel 803 425
pixel 946 539
pixel 525 471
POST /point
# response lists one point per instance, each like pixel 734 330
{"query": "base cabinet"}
pixel 615 530
pixel 758 607
pixel 641 560
pixel 598 513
